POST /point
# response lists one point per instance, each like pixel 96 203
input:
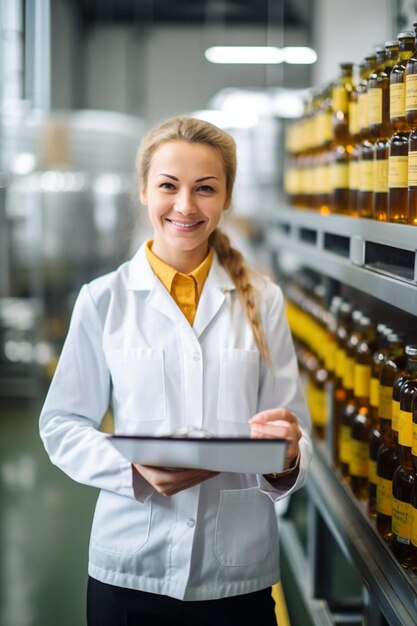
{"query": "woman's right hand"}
pixel 167 482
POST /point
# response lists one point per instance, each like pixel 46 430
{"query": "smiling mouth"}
pixel 185 225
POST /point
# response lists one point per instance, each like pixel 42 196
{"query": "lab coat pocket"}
pixel 244 530
pixel 239 383
pixel 138 380
pixel 121 525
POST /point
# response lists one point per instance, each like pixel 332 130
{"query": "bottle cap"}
pixel 406 34
pixel 393 43
pixel 411 350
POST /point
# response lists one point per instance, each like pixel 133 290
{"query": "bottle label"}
pixel 330 355
pixel 318 408
pixel 397 100
pixel 339 99
pixel 410 92
pixel 414 526
pixel 353 175
pixel 366 175
pixel 405 428
pixel 384 496
pixel 374 392
pixel 363 110
pixel 353 119
pixel 412 168
pixel 398 171
pixel 395 413
pixel 375 106
pixel 326 131
pixel 339 362
pixel 348 372
pixel 381 175
pixel 344 444
pixel 385 402
pixel 372 471
pixel 402 519
pixel 414 446
pixel 361 381
pixel 339 176
pixel 359 458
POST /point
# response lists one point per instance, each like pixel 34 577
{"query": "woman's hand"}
pixel 167 482
pixel 278 424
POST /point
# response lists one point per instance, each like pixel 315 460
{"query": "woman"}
pixel 182 335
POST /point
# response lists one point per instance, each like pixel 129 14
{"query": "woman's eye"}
pixel 206 189
pixel 169 186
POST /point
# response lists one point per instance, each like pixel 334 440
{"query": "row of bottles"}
pixel 361 387
pixel 354 151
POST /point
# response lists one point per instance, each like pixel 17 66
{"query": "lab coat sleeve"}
pixel 281 387
pixel 74 407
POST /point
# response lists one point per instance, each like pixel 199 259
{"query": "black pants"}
pixel 116 606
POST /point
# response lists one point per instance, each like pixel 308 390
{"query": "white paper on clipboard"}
pixel 230 454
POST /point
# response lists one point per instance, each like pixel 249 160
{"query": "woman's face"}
pixel 185 194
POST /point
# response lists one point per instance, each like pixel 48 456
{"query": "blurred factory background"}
pixel 80 82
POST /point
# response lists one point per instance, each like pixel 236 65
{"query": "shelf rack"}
pixel 377 258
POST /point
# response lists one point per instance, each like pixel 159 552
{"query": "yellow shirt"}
pixel 185 289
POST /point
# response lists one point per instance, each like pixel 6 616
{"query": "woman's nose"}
pixel 185 203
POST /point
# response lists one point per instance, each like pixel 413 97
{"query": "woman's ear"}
pixel 143 196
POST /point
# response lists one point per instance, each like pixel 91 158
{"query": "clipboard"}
pixel 225 454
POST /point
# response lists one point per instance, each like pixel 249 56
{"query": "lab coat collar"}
pixel 142 278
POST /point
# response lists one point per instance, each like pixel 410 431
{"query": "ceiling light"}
pixel 301 55
pixel 244 54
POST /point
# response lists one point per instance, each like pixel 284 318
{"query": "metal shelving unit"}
pixel 379 260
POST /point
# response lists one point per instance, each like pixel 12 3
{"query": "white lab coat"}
pixel 130 347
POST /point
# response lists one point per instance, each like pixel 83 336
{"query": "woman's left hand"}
pixel 277 424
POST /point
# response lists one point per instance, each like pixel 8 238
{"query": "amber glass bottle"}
pixel 340 395
pixel 361 419
pixel 366 154
pixel 354 142
pixel 378 359
pixel 387 457
pixel 340 103
pixel 404 476
pixel 349 407
pixel 379 124
pixel 411 88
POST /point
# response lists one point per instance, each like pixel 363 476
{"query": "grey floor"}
pixel 44 528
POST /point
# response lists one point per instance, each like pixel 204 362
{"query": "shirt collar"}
pixel 166 273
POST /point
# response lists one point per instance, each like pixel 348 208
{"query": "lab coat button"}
pixel 196 356
pixel 190 522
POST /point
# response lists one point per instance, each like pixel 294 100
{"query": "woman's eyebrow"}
pixel 168 176
pixel 198 180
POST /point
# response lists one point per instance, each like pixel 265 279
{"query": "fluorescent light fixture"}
pixel 299 55
pixel 244 54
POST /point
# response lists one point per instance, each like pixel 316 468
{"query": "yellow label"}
pixel 318 408
pixel 344 444
pixel 414 526
pixel 398 171
pixel 363 110
pixel 330 355
pixel 405 428
pixel 348 372
pixel 395 414
pixel 375 106
pixel 353 175
pixel 339 99
pixel 361 380
pixel 366 175
pixel 381 175
pixel 339 365
pixel 410 92
pixel 353 119
pixel 372 471
pixel 384 496
pixel 385 402
pixel 397 100
pixel 292 181
pixel 359 458
pixel 414 446
pixel 374 392
pixel 326 130
pixel 339 176
pixel 412 168
pixel 401 519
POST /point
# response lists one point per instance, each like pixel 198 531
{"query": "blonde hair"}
pixel 194 130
